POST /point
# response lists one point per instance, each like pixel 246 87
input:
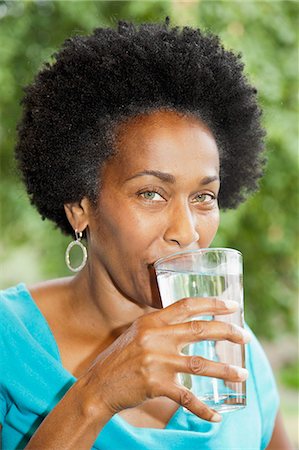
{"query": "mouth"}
pixel 151 264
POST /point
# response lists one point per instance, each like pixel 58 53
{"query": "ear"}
pixel 78 214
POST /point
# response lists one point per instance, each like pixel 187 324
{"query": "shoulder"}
pixel 24 331
pixel 20 304
pixel 12 293
pixel 13 302
pixel 50 293
pixel 52 298
pixel 265 387
pixel 15 299
pixel 19 316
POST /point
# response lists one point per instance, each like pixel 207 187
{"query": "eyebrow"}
pixel 168 178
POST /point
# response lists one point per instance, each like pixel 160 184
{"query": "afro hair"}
pixel 71 109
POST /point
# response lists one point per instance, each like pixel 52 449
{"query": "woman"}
pixel 132 139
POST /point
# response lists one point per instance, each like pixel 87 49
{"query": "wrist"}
pixel 90 404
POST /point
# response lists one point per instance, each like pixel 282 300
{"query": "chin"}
pixel 145 290
pixel 155 303
pixel 146 297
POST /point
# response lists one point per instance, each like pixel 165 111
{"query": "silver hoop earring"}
pixel 78 242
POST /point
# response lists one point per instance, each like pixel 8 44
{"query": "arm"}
pixel 132 361
pixel 279 440
pixel 75 419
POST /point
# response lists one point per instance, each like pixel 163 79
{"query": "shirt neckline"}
pixel 23 286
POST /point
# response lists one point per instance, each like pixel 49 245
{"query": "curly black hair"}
pixel 72 108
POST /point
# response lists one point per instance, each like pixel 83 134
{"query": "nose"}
pixel 181 227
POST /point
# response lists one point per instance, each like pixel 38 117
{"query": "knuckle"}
pixel 141 322
pixel 143 337
pixel 185 305
pixel 204 411
pixel 150 318
pixel 234 331
pixel 147 360
pixel 153 387
pixel 216 303
pixel 186 398
pixel 197 364
pixel 197 327
pixel 148 366
pixel 227 372
pixel 219 304
pixel 158 318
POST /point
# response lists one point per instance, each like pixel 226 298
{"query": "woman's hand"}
pixel 144 362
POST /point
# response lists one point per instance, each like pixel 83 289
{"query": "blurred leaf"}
pixel 289 375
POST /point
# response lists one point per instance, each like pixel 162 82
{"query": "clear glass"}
pixel 210 272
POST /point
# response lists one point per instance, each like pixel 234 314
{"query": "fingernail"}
pixel 246 335
pixel 216 418
pixel 242 373
pixel 231 304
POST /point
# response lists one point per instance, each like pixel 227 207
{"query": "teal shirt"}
pixel 33 380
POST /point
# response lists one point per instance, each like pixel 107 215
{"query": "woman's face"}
pixel 158 196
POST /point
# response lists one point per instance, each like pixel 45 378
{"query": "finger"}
pixel 185 398
pixel 197 365
pixel 190 307
pixel 202 330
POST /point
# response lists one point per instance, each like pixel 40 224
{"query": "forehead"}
pixel 165 141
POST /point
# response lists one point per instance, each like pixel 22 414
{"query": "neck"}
pixel 95 299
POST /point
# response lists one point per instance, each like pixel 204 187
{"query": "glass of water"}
pixel 208 272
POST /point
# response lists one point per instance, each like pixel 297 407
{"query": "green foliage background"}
pixel 264 228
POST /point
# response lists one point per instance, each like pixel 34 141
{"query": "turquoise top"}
pixel 33 380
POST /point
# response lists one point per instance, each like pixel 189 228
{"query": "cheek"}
pixel 125 228
pixel 122 239
pixel 208 228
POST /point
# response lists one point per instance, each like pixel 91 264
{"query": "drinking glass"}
pixel 208 272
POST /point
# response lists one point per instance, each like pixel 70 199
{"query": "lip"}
pixel 158 258
pixel 151 264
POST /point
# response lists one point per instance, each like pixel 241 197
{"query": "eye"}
pixel 204 199
pixel 151 196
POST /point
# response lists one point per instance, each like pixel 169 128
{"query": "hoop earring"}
pixel 78 242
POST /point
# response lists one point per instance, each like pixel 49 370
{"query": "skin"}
pixel 130 230
pixel 116 333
